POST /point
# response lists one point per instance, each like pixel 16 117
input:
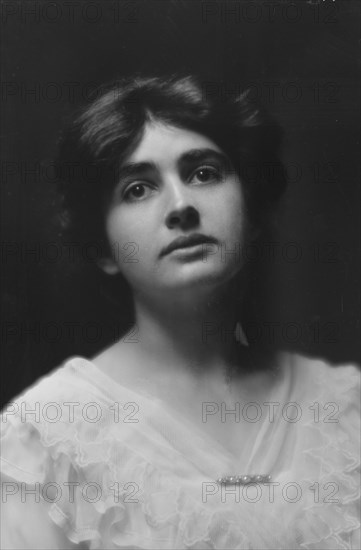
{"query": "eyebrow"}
pixel 189 157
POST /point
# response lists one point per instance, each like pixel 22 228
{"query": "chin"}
pixel 197 279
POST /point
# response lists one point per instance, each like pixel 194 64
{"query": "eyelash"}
pixel 215 171
pixel 129 189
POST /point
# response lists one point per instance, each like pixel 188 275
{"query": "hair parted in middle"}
pixel 105 131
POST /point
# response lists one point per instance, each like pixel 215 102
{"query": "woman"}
pixel 179 435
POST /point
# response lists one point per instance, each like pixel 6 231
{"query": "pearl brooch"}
pixel 244 480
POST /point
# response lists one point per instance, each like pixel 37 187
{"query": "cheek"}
pixel 116 234
pixel 119 229
pixel 229 209
pixel 130 240
pixel 120 236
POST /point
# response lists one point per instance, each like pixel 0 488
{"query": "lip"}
pixel 187 242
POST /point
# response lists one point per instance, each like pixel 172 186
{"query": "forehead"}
pixel 162 143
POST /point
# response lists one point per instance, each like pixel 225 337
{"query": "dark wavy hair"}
pixel 99 137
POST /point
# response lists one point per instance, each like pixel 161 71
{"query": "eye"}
pixel 137 192
pixel 207 174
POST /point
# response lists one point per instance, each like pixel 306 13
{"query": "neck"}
pixel 189 332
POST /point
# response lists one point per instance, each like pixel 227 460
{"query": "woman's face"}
pixel 176 183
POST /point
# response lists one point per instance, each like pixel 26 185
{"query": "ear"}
pixel 108 265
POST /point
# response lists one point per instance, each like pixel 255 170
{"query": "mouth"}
pixel 191 242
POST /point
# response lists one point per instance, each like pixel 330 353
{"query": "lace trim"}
pixel 178 518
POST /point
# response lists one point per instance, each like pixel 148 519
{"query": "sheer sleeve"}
pixel 329 445
pixel 72 467
pixel 26 501
pixel 89 464
pixel 25 523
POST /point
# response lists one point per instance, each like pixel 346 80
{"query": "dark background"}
pixel 300 58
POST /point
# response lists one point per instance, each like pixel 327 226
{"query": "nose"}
pixel 182 213
pixel 184 217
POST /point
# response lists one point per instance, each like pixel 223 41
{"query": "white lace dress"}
pixel 89 463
